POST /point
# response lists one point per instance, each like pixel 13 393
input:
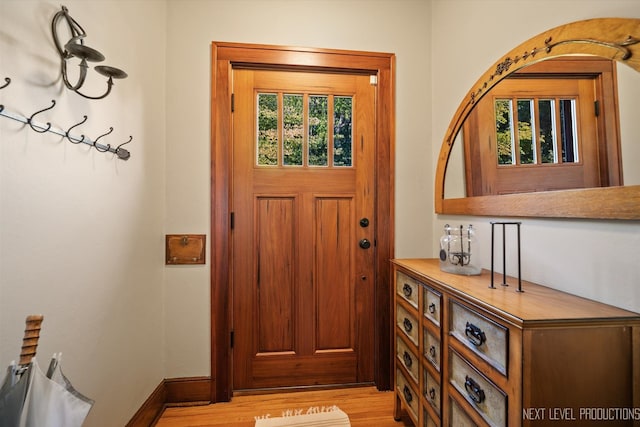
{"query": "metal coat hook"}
pixel 107 147
pixel 68 133
pixel 8 81
pixel 121 152
pixel 125 143
pixel 30 119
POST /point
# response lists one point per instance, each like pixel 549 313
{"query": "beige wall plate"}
pixel 185 249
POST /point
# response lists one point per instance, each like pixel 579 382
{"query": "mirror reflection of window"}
pixel 543 129
pixel 505 137
pixel 568 130
pixel 537 131
pixel 548 147
pixel 526 132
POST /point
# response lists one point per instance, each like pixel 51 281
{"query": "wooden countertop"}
pixel 536 305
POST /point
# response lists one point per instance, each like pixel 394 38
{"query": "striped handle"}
pixel 30 340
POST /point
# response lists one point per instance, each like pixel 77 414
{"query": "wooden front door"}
pixel 303 233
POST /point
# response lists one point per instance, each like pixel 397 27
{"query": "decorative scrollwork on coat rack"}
pixel 122 153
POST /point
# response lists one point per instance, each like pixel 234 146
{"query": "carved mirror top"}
pixel 613 38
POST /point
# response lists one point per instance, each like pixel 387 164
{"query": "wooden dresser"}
pixel 469 355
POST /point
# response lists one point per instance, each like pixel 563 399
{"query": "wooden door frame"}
pixel 223 57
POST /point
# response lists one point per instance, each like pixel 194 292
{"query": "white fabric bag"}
pixel 53 402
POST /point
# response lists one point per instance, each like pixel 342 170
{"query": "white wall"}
pixel 398 26
pixel 81 233
pixel 459 40
pixel 594 259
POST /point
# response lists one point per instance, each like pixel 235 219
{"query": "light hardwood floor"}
pixel 365 406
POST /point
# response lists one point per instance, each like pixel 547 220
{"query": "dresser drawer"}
pixel 458 417
pixel 487 399
pixel 427 420
pixel 408 288
pixel 407 323
pixel 408 394
pixel 431 390
pixel 431 348
pixel 432 305
pixel 486 338
pixel 408 359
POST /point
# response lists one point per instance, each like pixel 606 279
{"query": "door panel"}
pixel 303 289
pixel 334 247
pixel 275 252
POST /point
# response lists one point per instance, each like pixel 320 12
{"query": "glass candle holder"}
pixel 459 251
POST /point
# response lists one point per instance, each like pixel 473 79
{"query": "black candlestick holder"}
pixel 504 256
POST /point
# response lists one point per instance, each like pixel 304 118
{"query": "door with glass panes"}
pixel 303 231
pixel 533 134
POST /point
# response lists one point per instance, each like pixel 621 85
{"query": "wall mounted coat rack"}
pixel 122 153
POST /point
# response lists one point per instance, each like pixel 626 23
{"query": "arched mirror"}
pixel 614 195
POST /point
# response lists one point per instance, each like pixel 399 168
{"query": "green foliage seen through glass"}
pixel 293 129
pixel 318 135
pixel 504 133
pixel 267 129
pixel 525 131
pixel 342 131
pixel 547 147
pixel 291 150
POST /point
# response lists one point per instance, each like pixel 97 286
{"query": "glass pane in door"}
pixel 548 152
pixel 505 140
pixel 267 129
pixel 568 131
pixel 318 130
pixel 526 132
pixel 292 129
pixel 342 131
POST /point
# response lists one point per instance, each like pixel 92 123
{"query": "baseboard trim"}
pixel 172 392
pixel 188 391
pixel 151 409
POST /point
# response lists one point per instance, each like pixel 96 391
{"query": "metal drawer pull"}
pixel 432 308
pixel 475 334
pixel 473 390
pixel 406 357
pixel 407 394
pixel 432 351
pixel 432 393
pixel 406 289
pixel 408 326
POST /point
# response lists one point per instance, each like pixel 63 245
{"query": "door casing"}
pixel 223 57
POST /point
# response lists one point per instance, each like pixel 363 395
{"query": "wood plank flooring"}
pixel 365 406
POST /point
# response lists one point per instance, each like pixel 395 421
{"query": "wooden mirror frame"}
pixel 614 38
